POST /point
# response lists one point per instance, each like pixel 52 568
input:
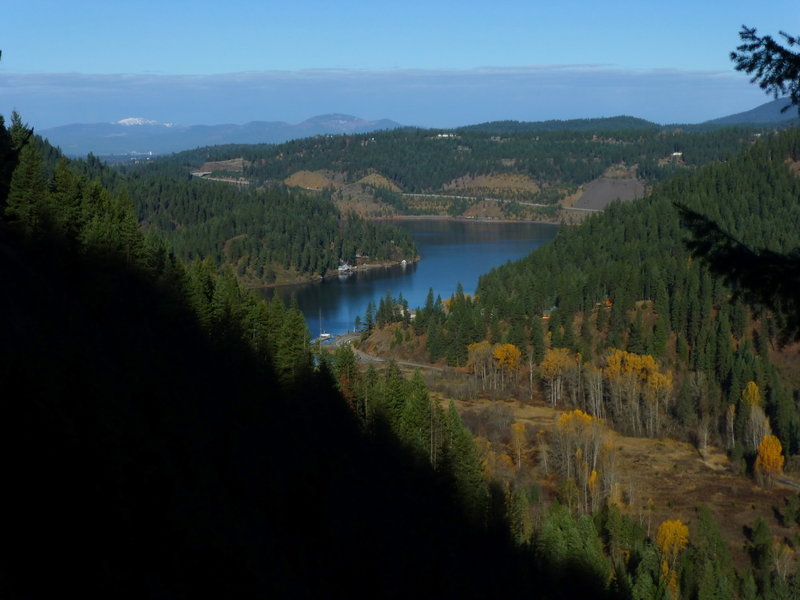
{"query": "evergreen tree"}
pixel 369 318
pixel 465 464
pixel 660 334
pixel 416 418
pixel 27 195
pixel 393 398
pixel 707 569
pixel 537 340
pixel 637 339
pixel 292 354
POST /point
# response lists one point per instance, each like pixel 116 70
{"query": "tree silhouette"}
pixel 774 67
pixel 760 275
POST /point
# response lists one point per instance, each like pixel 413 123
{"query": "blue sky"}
pixel 434 63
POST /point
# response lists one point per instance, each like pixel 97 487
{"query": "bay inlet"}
pixel 451 251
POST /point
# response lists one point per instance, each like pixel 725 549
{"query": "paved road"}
pixel 501 200
pixel 788 482
pixel 347 338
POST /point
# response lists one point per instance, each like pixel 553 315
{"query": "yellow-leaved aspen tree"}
pixel 671 537
pixel 518 439
pixel 769 459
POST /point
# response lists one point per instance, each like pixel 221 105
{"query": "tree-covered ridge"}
pixel 266 236
pixel 625 282
pixel 625 279
pixel 423 161
pixel 175 425
pixel 635 252
pixel 620 123
pixel 616 325
pixel 177 428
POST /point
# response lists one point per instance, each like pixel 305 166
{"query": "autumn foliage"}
pixel 638 391
pixel 579 453
pixel 494 365
pixel 553 369
pixel 671 537
pixel 769 460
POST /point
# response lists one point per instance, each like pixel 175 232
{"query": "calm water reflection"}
pixel 451 251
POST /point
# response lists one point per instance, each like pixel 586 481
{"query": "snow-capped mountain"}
pixel 141 135
pixel 141 121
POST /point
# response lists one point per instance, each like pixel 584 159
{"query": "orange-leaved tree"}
pixel 480 360
pixel 671 537
pixel 632 378
pixel 577 451
pixel 508 358
pixel 769 460
pixel 553 367
pixel 757 420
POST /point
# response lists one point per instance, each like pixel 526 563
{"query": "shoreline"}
pixel 385 264
pixel 465 219
pixel 332 274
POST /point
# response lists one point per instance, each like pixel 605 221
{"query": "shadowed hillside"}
pixel 166 436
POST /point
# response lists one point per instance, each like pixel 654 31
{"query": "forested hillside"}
pixel 167 433
pixel 503 170
pixel 420 160
pixel 625 280
pixel 251 222
pixel 621 123
pixel 615 325
pixel 266 236
pixel 179 428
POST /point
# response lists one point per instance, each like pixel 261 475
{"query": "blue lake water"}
pixel 450 251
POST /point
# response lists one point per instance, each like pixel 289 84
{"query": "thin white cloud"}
pixel 444 97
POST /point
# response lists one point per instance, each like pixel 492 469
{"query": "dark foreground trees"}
pixel 759 273
pixel 775 67
pixel 165 435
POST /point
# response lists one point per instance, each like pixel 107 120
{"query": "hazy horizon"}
pixel 428 64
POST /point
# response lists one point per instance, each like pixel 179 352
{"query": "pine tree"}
pixel 708 571
pixel 660 335
pixel 27 195
pixel 65 199
pixel 466 466
pixel 637 342
pixel 12 140
pixel 416 418
pixel 537 340
pixel 393 398
pixel 292 354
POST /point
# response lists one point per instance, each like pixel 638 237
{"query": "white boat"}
pixel 323 336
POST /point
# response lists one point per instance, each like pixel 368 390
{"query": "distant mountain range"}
pixel 770 112
pixel 621 123
pixel 765 114
pixel 141 136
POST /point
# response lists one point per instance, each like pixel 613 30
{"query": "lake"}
pixel 451 251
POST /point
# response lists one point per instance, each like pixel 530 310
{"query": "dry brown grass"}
pixel 234 165
pixel 311 180
pixel 659 479
pixel 485 210
pixel 494 185
pixel 666 479
pixel 378 180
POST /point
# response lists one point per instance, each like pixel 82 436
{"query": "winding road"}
pixel 363 357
